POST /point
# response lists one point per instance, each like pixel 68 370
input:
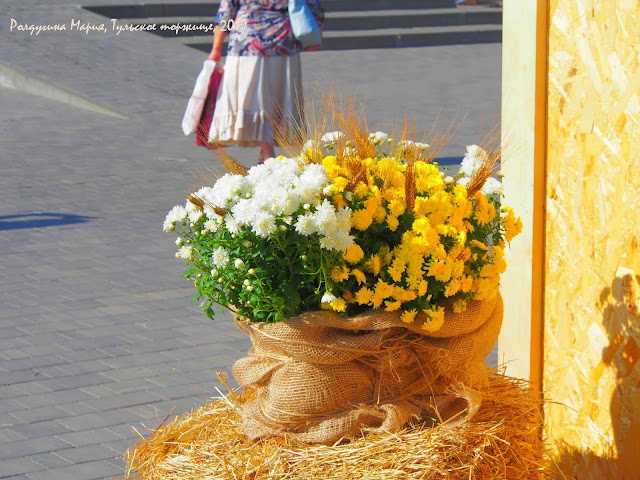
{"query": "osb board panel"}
pixel 592 265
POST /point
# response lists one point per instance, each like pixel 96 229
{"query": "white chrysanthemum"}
pixel 184 252
pixel 211 226
pixel 264 224
pixel 179 242
pixel 305 224
pixel 349 152
pixel 176 214
pixel 238 263
pixel 410 143
pixel 231 224
pixel 290 204
pixel 472 160
pixel 244 211
pixel 492 186
pixel 194 213
pixel 341 240
pixel 314 176
pixel 229 189
pixel 220 257
pixel 328 298
pixel 310 145
pixel 343 216
pixel 324 216
pixel 209 211
pixel 378 137
pixel 332 137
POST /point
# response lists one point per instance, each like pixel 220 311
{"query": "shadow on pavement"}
pixel 37 220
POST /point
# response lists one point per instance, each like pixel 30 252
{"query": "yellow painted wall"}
pixel 524 72
pixel 592 236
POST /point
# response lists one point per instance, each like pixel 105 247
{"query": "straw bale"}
pixel 501 441
pixel 592 227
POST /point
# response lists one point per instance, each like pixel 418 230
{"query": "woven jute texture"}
pixel 320 377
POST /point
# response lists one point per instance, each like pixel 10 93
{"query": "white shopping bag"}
pixel 192 115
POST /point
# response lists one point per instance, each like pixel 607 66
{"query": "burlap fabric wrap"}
pixel 321 377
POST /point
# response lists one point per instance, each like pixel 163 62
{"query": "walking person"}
pixel 260 99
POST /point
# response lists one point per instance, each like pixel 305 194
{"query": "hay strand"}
pixel 501 442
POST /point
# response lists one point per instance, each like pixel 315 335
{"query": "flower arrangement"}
pixel 353 222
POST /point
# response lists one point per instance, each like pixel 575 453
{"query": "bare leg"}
pixel 266 151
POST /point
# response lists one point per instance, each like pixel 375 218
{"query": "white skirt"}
pixel 259 100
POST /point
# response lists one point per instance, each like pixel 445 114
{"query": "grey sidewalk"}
pixel 97 331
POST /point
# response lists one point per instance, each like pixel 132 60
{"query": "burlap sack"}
pixel 321 377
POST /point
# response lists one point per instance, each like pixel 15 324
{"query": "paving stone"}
pixel 81 454
pixel 40 429
pixel 29 447
pixel 8 435
pixel 103 419
pixel 49 460
pixel 52 398
pixel 101 469
pixel 36 415
pixel 94 436
pixel 15 466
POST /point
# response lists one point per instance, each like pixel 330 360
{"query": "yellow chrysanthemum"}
pixel 422 288
pixel 435 319
pixel 340 201
pixel 373 264
pixel 465 284
pixel 339 184
pixel 396 207
pixel 380 215
pixel 364 296
pixel 441 271
pixel 477 244
pixel 385 255
pixel 371 205
pixel 484 211
pixel 361 219
pixel 452 288
pixel 361 190
pixel 339 305
pixel 392 223
pixel 408 316
pixel 403 294
pixel 340 274
pixel 353 254
pixel 512 225
pixel 382 291
pixel 359 276
pixel 459 305
pixel 392 306
pixel 396 269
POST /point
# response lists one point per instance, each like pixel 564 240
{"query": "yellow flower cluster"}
pixel 418 239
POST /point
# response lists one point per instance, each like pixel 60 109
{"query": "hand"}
pixel 215 54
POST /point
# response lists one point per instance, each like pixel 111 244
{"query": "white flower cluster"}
pixel 471 162
pixel 332 137
pixel 378 137
pixel 176 214
pixel 410 143
pixel 276 189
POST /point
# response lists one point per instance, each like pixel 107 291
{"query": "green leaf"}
pixel 189 272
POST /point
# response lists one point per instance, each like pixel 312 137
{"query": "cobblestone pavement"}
pixel 97 332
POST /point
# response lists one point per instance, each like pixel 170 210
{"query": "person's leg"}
pixel 266 151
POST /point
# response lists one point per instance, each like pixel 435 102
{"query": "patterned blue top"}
pixel 261 27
